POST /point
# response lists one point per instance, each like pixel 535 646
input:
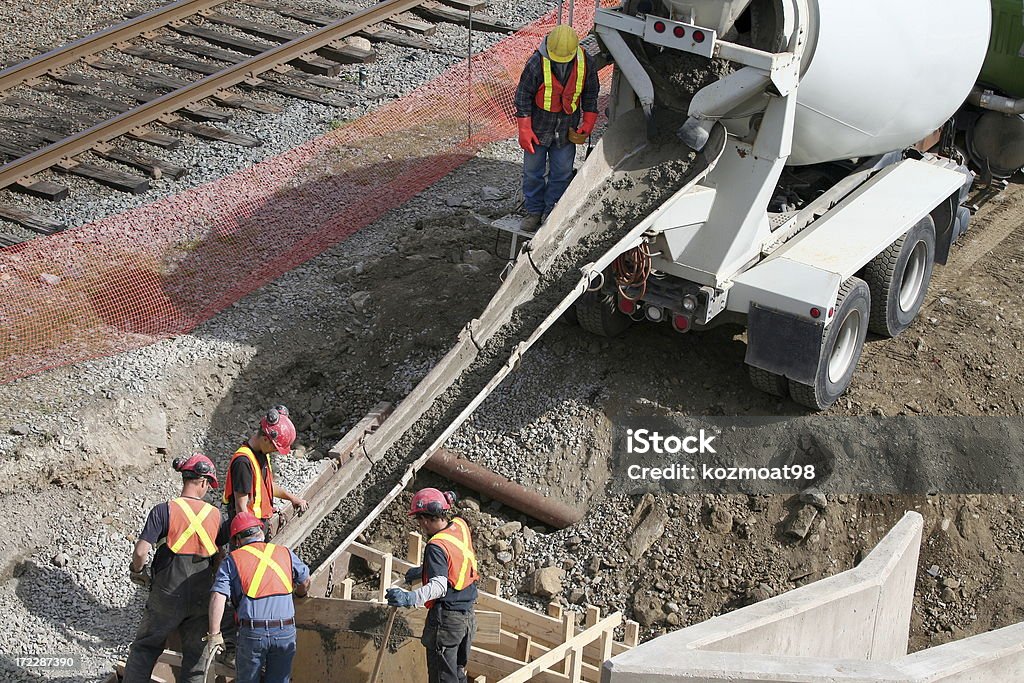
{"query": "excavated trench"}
pixel 621 201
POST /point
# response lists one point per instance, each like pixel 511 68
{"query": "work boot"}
pixel 530 223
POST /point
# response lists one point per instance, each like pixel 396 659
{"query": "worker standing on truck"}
pixel 260 579
pixel 179 585
pixel 557 90
pixel 449 577
pixel 250 481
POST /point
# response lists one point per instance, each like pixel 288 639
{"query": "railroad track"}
pixel 113 85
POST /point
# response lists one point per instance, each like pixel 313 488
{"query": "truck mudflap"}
pixel 783 343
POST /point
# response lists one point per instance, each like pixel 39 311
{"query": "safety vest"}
pixel 193 527
pixel 457 545
pixel 264 569
pixel 262 503
pixel 553 96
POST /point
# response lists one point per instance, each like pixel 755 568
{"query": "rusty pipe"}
pixel 553 513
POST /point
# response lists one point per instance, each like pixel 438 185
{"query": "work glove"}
pixel 527 138
pixel 400 598
pixel 141 577
pixel 214 646
pixel 589 121
pixel 413 575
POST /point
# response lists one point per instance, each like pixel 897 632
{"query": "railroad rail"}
pixel 283 61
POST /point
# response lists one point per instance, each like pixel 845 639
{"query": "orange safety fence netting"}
pixel 162 269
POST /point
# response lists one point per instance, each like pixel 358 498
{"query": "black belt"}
pixel 273 623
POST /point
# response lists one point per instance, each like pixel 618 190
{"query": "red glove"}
pixel 527 138
pixel 589 121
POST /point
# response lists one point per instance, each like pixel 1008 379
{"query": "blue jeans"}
pixel 271 649
pixel 541 194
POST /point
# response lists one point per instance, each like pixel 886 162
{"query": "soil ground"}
pixel 961 358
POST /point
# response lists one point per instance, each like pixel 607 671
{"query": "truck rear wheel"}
pixel 596 313
pixel 768 382
pixel 899 277
pixel 841 349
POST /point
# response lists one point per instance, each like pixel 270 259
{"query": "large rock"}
pixel 649 530
pixel 545 582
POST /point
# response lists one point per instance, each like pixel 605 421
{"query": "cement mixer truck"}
pixel 823 215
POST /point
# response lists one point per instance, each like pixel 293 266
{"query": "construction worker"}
pixel 449 575
pixel 260 579
pixel 250 481
pixel 179 585
pixel 557 90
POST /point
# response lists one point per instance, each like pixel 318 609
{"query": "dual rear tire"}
pixel 886 301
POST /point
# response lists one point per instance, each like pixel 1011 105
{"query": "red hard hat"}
pixel 242 521
pixel 200 465
pixel 278 427
pixel 430 502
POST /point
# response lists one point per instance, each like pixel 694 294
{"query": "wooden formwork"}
pixel 342 636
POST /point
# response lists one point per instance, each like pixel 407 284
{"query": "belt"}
pixel 273 623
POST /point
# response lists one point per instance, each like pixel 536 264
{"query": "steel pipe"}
pixel 986 99
pixel 465 473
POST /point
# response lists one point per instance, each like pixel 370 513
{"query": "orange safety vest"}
pixel 193 527
pixel 262 503
pixel 264 569
pixel 553 96
pixel 457 545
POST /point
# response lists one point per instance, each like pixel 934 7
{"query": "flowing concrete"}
pixel 848 628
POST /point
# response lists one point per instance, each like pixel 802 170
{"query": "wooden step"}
pixel 211 133
pixel 31 221
pixel 119 180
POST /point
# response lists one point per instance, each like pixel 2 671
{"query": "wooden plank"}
pixel 313 65
pixel 154 138
pixel 411 25
pixel 85 98
pixel 208 51
pixel 42 188
pixel 556 655
pixel 8 240
pixel 496 667
pixel 233 101
pixel 334 53
pixel 466 4
pixel 31 221
pixel 210 133
pixel 208 114
pixel 45 115
pixel 119 180
pixel 334 84
pixel 102 86
pixel 363 616
pixel 149 165
pixel 383 35
pixel 435 11
pixel 414 550
pixel 152 55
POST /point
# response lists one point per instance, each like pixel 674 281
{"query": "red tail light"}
pixel 627 306
pixel 659 27
pixel 680 323
pixel 698 36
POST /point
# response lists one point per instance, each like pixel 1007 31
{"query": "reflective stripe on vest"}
pixel 553 96
pixel 262 502
pixel 253 562
pixel 193 527
pixel 458 548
